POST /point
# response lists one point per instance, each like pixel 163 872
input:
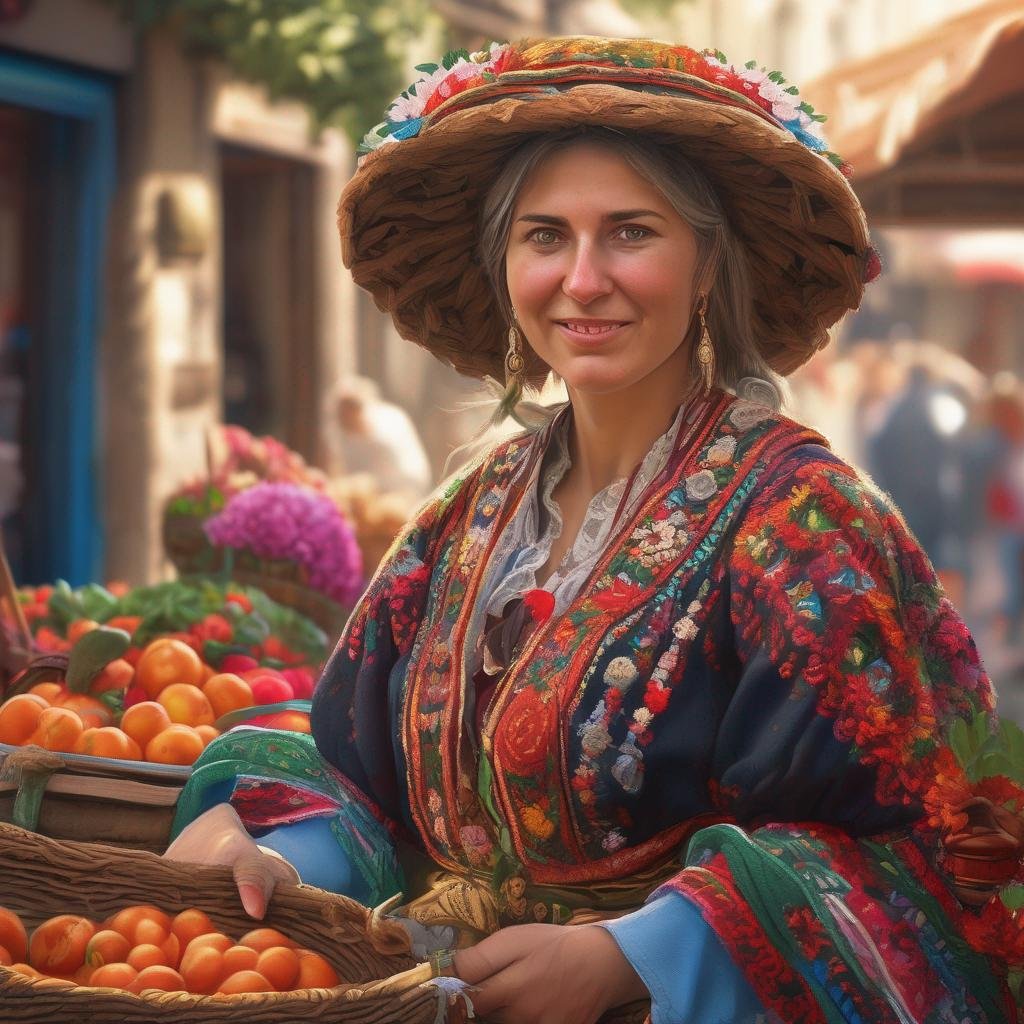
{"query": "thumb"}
pixel 493 954
pixel 256 874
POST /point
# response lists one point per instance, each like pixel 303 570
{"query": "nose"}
pixel 586 277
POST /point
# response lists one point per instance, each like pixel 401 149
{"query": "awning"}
pixel 934 129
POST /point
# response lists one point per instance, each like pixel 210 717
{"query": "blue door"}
pixel 55 229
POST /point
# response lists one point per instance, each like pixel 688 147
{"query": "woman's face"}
pixel 600 272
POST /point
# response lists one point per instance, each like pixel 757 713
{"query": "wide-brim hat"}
pixel 409 218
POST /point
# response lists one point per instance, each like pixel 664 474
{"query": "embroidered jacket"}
pixel 756 683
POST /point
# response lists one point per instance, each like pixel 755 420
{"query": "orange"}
pixel 280 966
pixel 315 971
pixel 165 662
pixel 202 967
pixel 212 940
pixel 58 945
pixel 294 721
pixel 93 712
pixel 207 733
pixel 239 958
pixel 106 947
pixel 161 936
pixel 144 720
pixel 208 673
pixel 129 623
pixel 227 692
pixel 5 957
pixel 186 704
pixel 12 935
pixel 266 938
pixel 119 975
pixel 145 954
pixel 58 729
pixel 177 744
pixel 166 979
pixel 19 717
pixel 126 921
pixel 80 627
pixel 190 924
pixel 115 675
pixel 245 981
pixel 48 691
pixel 107 742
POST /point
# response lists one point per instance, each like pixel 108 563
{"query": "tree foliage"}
pixel 343 59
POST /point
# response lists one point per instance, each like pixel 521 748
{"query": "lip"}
pixel 590 331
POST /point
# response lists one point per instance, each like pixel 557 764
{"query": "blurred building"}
pixel 168 257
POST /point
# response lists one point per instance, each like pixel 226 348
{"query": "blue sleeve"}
pixel 691 977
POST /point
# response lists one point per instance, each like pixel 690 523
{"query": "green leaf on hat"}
pixel 793 90
pixel 750 65
pixel 427 69
pixel 452 58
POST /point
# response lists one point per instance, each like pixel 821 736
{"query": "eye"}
pixel 634 233
pixel 543 236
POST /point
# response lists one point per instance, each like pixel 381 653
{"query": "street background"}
pixel 169 263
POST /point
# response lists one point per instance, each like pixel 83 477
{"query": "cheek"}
pixel 531 283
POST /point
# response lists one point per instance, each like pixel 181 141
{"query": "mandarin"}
pixel 13 936
pixel 190 924
pixel 126 921
pixel 266 938
pixel 280 966
pixel 93 712
pixel 146 954
pixel 58 729
pixel 207 733
pixel 177 744
pixel 166 662
pixel 239 958
pixel 144 720
pixel 315 971
pixel 80 627
pixel 58 945
pixel 19 717
pixel 115 675
pixel 228 692
pixel 119 975
pixel 245 981
pixel 202 967
pixel 48 691
pixel 106 947
pixel 212 940
pixel 166 979
pixel 186 704
pixel 5 957
pixel 107 742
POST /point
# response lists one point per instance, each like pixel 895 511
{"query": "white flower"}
pixel 701 486
pixel 771 91
pixel 410 104
pixel 685 629
pixel 721 451
pixel 620 673
pixel 667 662
pixel 693 608
pixel 784 109
pixel 643 717
pixel 745 415
pixel 755 75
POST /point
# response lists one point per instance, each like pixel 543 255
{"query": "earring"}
pixel 705 350
pixel 515 364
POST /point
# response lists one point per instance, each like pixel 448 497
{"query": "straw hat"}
pixel 409 218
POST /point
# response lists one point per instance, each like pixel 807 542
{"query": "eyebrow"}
pixel 618 215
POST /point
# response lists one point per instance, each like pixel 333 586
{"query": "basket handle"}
pixel 29 768
pixel 9 591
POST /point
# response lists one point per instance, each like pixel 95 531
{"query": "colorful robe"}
pixel 747 703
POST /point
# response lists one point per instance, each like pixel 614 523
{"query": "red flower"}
pixel 540 604
pixel 656 698
pixel 618 596
pixel 526 733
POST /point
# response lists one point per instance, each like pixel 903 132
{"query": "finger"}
pixel 494 953
pixel 255 879
pixel 492 996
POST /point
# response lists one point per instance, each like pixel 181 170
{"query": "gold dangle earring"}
pixel 705 350
pixel 515 365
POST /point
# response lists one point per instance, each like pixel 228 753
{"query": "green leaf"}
pixel 92 653
pixel 1013 896
pixel 750 65
pixel 427 69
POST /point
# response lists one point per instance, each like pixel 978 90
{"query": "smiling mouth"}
pixel 592 328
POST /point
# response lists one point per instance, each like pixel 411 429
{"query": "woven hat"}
pixel 409 218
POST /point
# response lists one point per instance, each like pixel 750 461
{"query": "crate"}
pixel 90 799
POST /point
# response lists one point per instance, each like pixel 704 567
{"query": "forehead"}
pixel 590 175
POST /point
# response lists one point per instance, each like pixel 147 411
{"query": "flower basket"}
pixel 187 546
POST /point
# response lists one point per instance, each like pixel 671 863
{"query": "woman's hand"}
pixel 218 837
pixel 548 974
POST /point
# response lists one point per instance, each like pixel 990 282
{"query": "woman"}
pixel 663 662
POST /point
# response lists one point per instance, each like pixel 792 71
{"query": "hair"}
pixel 721 266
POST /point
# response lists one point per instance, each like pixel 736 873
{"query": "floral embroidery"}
pixel 461 72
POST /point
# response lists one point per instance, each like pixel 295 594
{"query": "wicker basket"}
pixel 90 799
pixel 382 984
pixel 42 877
